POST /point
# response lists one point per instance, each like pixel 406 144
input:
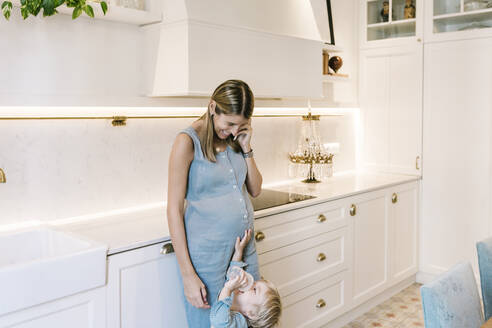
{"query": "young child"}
pixel 257 307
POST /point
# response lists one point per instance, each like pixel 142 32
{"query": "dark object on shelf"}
pixel 335 63
pixel 409 11
pixel 385 11
pixel 330 22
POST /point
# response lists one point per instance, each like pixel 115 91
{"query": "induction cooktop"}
pixel 271 198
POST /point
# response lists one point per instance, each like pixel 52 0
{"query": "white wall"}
pixel 64 168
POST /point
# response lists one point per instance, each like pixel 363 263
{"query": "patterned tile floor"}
pixel 404 310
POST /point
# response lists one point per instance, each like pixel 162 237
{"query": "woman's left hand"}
pixel 243 137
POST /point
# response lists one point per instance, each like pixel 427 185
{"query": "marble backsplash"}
pixel 59 169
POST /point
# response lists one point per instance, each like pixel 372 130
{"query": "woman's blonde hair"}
pixel 269 311
pixel 233 97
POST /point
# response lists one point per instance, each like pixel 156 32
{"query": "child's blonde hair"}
pixel 269 311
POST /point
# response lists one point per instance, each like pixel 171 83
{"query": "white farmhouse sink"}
pixel 41 265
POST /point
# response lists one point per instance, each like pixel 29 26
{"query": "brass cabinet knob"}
pixel 394 198
pixel 167 248
pixel 353 210
pixel 321 303
pixel 321 257
pixel 321 218
pixel 259 236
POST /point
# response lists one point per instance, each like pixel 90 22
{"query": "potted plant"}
pixel 33 7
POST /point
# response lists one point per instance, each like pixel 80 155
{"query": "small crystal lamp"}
pixel 310 159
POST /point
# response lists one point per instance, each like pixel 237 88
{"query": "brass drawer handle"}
pixel 417 163
pixel 353 210
pixel 394 198
pixel 321 303
pixel 321 218
pixel 167 249
pixel 259 236
pixel 321 257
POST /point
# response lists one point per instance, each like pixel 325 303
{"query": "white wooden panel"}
pixel 370 245
pixel 299 309
pixel 374 106
pixel 144 290
pixel 457 144
pixel 84 310
pixel 405 114
pixel 296 266
pixel 403 219
pixel 287 228
pixel 391 108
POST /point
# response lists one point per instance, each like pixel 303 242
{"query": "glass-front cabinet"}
pixel 391 19
pixel 473 17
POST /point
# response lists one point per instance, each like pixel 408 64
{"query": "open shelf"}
pixel 331 78
pixel 331 48
pixel 464 20
pixel 394 29
pixel 115 13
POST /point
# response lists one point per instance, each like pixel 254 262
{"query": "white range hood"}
pixel 273 45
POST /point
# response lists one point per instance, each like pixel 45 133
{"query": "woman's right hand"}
pixel 195 291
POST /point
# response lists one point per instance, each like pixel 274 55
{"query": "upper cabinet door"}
pixel 457 19
pixel 390 22
pixel 391 108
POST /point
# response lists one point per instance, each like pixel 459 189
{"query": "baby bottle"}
pixel 235 271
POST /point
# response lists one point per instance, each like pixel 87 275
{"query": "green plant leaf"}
pixel 89 11
pixel 6 9
pixel 33 6
pixel 76 12
pixel 48 8
pixel 104 7
pixel 23 2
pixel 24 13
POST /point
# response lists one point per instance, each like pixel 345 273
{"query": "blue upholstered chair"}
pixel 484 250
pixel 452 300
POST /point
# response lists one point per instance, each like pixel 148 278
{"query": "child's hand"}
pixel 240 245
pixel 236 282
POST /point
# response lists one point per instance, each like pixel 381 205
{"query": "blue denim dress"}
pixel 218 210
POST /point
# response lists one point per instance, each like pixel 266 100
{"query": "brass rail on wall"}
pixel 121 120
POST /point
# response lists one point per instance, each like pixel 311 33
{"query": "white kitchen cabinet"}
pixel 83 310
pixel 307 253
pixel 456 189
pixel 385 239
pixel 403 228
pixel 371 258
pixel 457 20
pixel 393 31
pixel 328 258
pixel 317 304
pixel 391 108
pixel 144 290
pixel 304 245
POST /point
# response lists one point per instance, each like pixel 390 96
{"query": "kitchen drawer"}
pixel 286 228
pixel 317 304
pixel 297 266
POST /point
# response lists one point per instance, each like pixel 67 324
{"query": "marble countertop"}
pixel 127 231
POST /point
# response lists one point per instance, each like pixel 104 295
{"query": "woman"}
pixel 212 167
